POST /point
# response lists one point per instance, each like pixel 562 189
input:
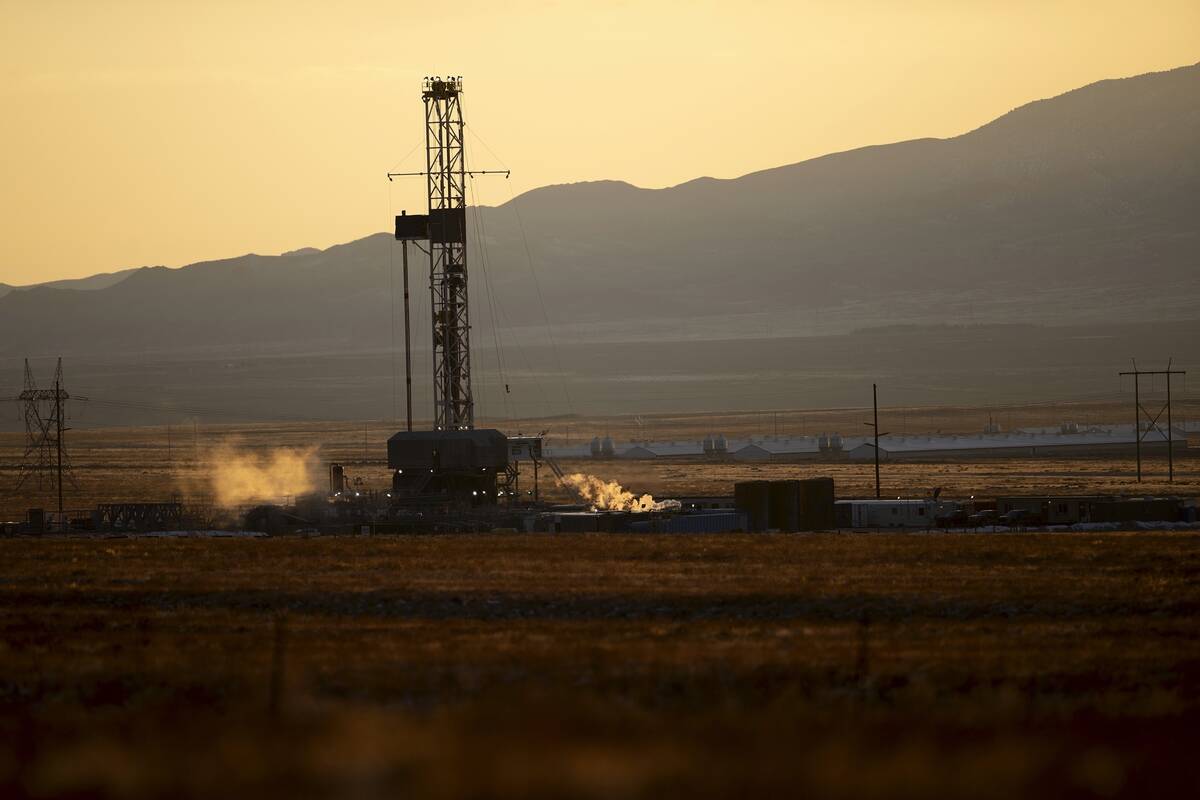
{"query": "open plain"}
pixel 841 665
pixel 600 665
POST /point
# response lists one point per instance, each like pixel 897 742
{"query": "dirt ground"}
pixel 889 665
pixel 156 463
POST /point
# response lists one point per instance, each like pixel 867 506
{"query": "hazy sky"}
pixel 164 133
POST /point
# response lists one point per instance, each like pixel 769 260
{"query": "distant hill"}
pixel 1063 210
pixel 99 281
pixel 1096 189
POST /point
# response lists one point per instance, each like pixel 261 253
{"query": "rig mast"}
pixel 446 175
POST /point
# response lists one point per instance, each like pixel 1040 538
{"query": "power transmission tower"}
pixel 45 462
pixel 1139 410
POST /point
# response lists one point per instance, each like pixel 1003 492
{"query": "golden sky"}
pixel 170 132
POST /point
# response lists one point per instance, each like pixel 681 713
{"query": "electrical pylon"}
pixel 45 462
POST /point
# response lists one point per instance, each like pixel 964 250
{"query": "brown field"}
pixel 150 464
pixel 601 666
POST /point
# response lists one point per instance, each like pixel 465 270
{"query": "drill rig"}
pixel 455 462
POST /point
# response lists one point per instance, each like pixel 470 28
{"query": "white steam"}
pixel 605 495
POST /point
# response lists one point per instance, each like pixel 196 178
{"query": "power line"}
pixel 190 411
pixel 533 274
pixel 542 302
pixel 490 295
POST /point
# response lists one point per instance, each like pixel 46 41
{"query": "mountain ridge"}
pixel 1094 188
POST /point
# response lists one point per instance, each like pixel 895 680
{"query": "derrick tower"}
pixel 454 462
pixel 446 175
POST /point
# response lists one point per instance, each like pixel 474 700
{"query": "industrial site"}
pixel 455 476
pixel 684 403
pixel 1040 480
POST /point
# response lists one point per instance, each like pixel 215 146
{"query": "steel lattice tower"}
pixel 445 162
pixel 45 460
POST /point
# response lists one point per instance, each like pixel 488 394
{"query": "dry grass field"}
pixel 1032 665
pixel 154 464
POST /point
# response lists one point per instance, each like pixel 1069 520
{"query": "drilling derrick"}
pixel 446 174
pixel 454 463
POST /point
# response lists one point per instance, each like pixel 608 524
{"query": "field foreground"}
pixel 601 666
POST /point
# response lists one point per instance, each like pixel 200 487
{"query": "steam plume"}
pixel 611 496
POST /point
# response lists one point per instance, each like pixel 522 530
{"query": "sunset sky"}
pixel 140 133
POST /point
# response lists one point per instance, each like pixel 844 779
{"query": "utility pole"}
pixel 1170 434
pixel 1137 421
pixel 407 343
pixel 58 420
pixel 1139 410
pixel 875 425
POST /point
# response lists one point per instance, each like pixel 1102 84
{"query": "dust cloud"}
pixel 605 495
pixel 237 477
